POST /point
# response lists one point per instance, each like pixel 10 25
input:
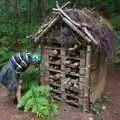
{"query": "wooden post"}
pixel 63 73
pixel 81 78
pixel 46 63
pixel 42 66
pixel 87 73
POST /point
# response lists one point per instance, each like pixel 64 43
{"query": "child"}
pixel 10 73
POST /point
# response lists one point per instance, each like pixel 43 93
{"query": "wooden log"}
pixel 55 85
pixel 72 102
pixel 56 91
pixel 53 70
pixel 90 36
pixel 75 65
pixel 57 98
pixel 67 62
pixel 54 52
pixel 66 81
pixel 57 76
pixel 74 48
pixel 72 95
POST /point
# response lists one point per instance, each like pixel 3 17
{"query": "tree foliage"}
pixel 20 17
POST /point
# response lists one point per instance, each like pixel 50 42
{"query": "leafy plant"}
pixel 37 100
pixel 115 21
pixel 30 78
pixel 4 55
pixel 97 108
pixel 117 52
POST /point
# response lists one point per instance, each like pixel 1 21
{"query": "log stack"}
pixel 66 74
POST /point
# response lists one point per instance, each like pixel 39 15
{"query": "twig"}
pixel 89 35
pixel 48 25
pixel 63 14
pixel 47 28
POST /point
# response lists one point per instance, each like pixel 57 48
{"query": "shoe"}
pixel 21 108
pixel 15 101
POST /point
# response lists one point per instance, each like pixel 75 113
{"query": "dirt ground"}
pixel 8 110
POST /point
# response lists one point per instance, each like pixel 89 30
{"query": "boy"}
pixel 10 73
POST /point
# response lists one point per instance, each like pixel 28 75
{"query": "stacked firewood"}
pixel 72 66
pixel 64 74
pixel 55 77
pixel 72 84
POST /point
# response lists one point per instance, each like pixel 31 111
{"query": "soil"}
pixel 8 110
pixel 112 91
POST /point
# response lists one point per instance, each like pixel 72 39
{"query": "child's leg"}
pixel 17 92
pixel 15 101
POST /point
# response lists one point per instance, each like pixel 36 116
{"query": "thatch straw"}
pixel 99 28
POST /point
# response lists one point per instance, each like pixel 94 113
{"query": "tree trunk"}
pixel 40 9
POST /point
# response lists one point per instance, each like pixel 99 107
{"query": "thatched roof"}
pixel 88 24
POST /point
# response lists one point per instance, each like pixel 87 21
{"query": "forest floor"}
pixel 8 110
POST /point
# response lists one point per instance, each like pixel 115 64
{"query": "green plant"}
pixel 30 78
pixel 37 100
pixel 115 21
pixel 97 108
pixel 4 55
pixel 117 50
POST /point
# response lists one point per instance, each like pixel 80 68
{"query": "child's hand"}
pixel 20 82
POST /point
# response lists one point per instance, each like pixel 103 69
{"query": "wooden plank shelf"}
pixel 67 57
pixel 73 58
pixel 71 90
pixel 73 96
pixel 54 84
pixel 59 56
pixel 53 48
pixel 72 102
pixel 53 70
pixel 56 91
pixel 73 74
pixel 54 63
pixel 57 98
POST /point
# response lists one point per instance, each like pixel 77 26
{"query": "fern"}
pixel 37 100
pixel 4 55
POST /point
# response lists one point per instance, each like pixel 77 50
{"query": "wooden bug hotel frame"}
pixel 75 46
